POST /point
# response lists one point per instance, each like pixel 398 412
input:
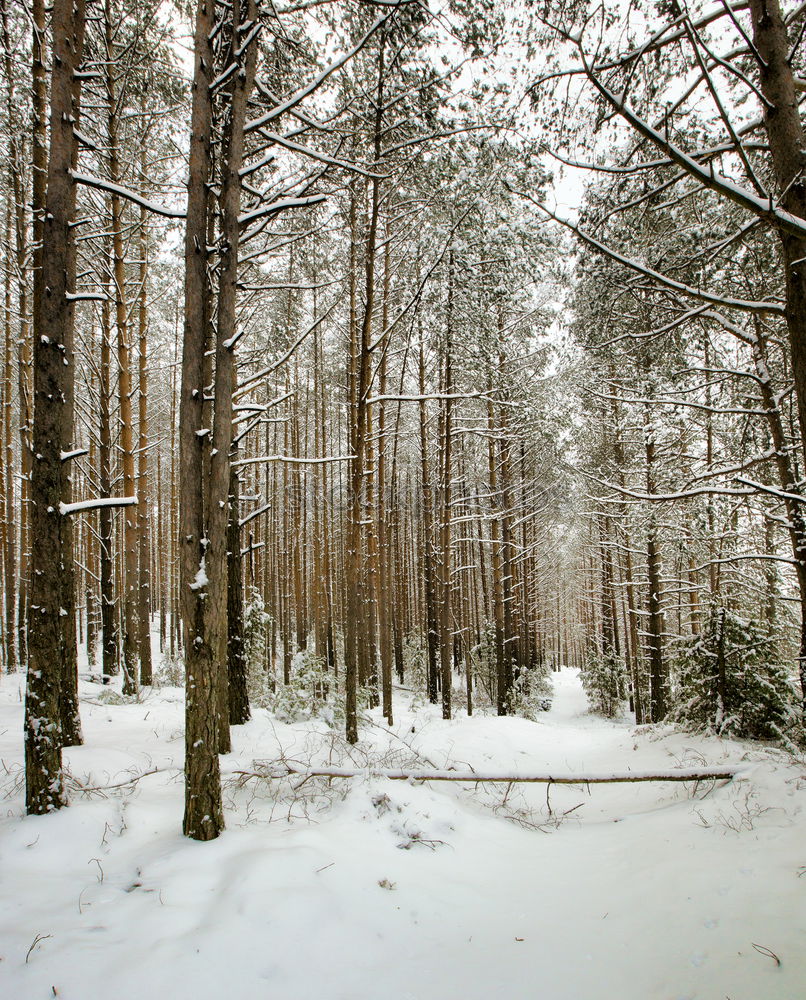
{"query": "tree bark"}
pixel 110 664
pixel 657 672
pixel 204 818
pixel 221 512
pixel 785 133
pixel 52 578
pixel 144 533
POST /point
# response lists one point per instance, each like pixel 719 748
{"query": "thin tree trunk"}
pixel 110 665
pixel 239 711
pixel 129 622
pixel 657 674
pixel 143 493
pixel 431 627
pixel 446 604
pixel 221 512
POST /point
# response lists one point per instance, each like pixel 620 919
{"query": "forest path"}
pixel 370 888
pixel 568 738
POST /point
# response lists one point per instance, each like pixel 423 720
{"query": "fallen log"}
pixel 284 769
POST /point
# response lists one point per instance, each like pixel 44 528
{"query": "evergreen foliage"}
pixel 604 678
pixel 730 679
pixel 531 693
pixel 256 622
pixel 310 693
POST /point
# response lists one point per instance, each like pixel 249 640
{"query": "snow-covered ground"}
pixel 381 889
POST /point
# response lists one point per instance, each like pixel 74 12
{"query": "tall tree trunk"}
pixel 429 572
pixel 204 818
pixel 503 667
pixel 239 711
pixel 144 597
pixel 52 578
pixel 7 476
pixel 110 665
pixel 17 176
pixel 226 339
pixel 657 672
pixel 385 608
pixel 129 621
pixel 788 481
pixel 446 606
pixel 785 133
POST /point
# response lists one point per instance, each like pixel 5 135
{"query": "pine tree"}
pixel 731 681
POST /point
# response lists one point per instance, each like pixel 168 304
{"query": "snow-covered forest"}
pixel 403 493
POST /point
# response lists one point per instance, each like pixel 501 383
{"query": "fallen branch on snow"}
pixel 286 768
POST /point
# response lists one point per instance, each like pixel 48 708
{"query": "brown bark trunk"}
pixel 429 590
pixel 225 372
pixel 657 673
pixel 52 578
pixel 110 665
pixel 785 132
pixel 446 605
pixel 204 818
pixel 144 501
pixel 239 711
pixel 129 623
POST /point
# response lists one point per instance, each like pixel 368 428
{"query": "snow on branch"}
pixel 416 398
pixel 251 379
pixel 669 33
pixel 300 95
pixel 763 488
pixel 314 154
pixel 90 180
pixel 82 505
pixel 662 279
pixel 280 206
pixel 691 404
pixel 222 78
pixel 680 495
pixel 764 208
pixel 263 459
pixel 285 768
pixel 255 513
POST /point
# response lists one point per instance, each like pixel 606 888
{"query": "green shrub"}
pixel 309 691
pixel 531 693
pixel 604 679
pixel 730 680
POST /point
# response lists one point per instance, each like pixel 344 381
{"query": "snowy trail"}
pixel 406 892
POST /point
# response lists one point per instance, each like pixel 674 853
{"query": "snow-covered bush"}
pixel 309 692
pixel 256 621
pixel 531 689
pixel 730 680
pixel 531 693
pixel 604 678
pixel 170 671
pixel 485 675
pixel 415 665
